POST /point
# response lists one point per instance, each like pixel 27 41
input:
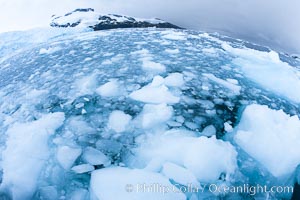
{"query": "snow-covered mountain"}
pixel 89 18
pixel 145 114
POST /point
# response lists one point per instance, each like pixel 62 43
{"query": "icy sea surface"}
pixel 145 114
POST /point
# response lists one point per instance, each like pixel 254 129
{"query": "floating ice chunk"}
pixel 228 127
pixel 233 81
pixel 84 168
pixel 149 65
pixel 79 105
pixel 79 127
pixel 118 121
pixel 86 85
pixel 109 89
pixel 174 124
pixel 206 158
pixel 172 51
pixel 26 154
pixel 157 81
pixel 233 87
pixel 192 125
pixel 268 70
pixel 210 51
pixel 179 133
pixel 154 115
pixel 209 131
pixel 206 104
pixel 128 184
pixel 156 93
pixel 143 52
pixel 179 174
pixel 271 137
pixel 87 59
pixel 107 62
pixel 95 157
pixel 50 50
pixel 35 95
pixel 48 193
pixel 147 62
pixel 174 80
pixel 80 194
pixel 117 58
pixel 172 35
pixel 180 119
pixel 109 146
pixel 222 160
pixel 66 156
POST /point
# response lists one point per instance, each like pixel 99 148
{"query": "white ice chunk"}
pixel 35 96
pixel 233 87
pixel 172 51
pixel 179 174
pixel 233 81
pixel 144 53
pixel 271 137
pixel 109 89
pixel 147 62
pixel 84 168
pixel 86 85
pixel 48 192
pixel 228 127
pixel 26 154
pixel 209 131
pixel 95 157
pixel 209 169
pixel 210 51
pixel 206 158
pixel 173 35
pixel 128 184
pixel 79 127
pixel 174 80
pixel 80 194
pixel 157 81
pixel 118 121
pixel 66 156
pixel 268 70
pixel 156 93
pixel 149 65
pixel 50 50
pixel 191 125
pixel 154 115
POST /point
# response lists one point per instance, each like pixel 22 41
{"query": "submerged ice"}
pixel 89 115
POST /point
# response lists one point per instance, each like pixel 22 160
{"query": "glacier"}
pixel 90 114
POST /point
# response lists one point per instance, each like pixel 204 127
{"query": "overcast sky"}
pixel 275 23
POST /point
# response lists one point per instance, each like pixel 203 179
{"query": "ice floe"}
pixel 127 184
pixel 269 136
pixel 26 154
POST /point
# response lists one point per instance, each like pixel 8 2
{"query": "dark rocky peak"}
pixel 87 17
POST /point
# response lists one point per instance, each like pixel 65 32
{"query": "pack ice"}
pixel 144 114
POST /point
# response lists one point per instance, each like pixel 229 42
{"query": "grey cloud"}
pixel 274 23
